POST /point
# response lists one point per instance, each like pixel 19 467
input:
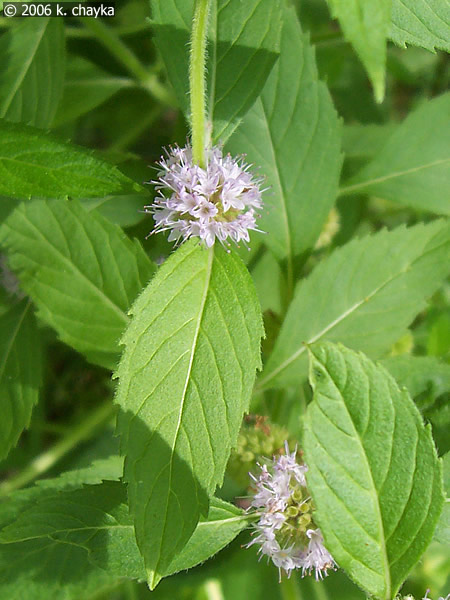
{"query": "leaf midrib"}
pixel 49 534
pixel 350 189
pixel 373 488
pixel 183 396
pixel 339 319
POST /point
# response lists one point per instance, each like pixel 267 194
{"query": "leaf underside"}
pixel 185 380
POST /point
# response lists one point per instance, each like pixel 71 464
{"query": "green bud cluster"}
pixel 257 439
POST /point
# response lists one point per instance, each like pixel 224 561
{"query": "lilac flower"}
pixel 286 532
pixel 218 202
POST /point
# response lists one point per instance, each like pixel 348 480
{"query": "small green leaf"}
pixel 293 134
pixel 364 295
pixel 32 74
pixel 222 525
pixel 242 49
pixel 185 380
pixel 20 372
pixel 81 271
pixel 366 24
pixel 36 163
pixel 423 23
pixel 373 470
pixel 413 167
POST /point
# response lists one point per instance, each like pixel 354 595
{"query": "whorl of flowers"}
pixel 286 532
pixel 440 598
pixel 220 201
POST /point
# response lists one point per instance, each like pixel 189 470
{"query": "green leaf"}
pixel 36 163
pixel 293 134
pixel 185 380
pixel 422 23
pixel 373 471
pixel 222 525
pixel 45 552
pixel 96 520
pixel 122 210
pixel 20 372
pixel 32 75
pixel 81 271
pixel 365 141
pixel 413 166
pixel 419 374
pixel 86 87
pixel 243 47
pixel 366 25
pixel 364 295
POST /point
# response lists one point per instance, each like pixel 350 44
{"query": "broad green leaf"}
pixel 81 271
pixel 32 74
pixel 20 372
pixel 243 46
pixel 413 166
pixel 35 163
pixel 96 519
pixel 364 295
pixel 293 134
pixel 366 25
pixel 185 380
pixel 373 471
pixel 419 374
pixel 424 23
pixel 86 87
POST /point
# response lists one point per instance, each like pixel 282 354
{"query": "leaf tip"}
pixel 153 578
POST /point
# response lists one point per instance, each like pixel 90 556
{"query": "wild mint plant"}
pixel 253 403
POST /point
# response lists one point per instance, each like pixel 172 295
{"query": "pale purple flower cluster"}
pixel 440 598
pixel 220 201
pixel 285 531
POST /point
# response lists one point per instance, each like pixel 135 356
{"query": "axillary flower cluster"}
pixel 286 532
pixel 219 201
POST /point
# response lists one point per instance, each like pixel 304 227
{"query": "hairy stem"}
pixel 197 80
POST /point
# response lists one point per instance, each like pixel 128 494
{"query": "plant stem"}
pixel 148 80
pixel 197 80
pixel 49 458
